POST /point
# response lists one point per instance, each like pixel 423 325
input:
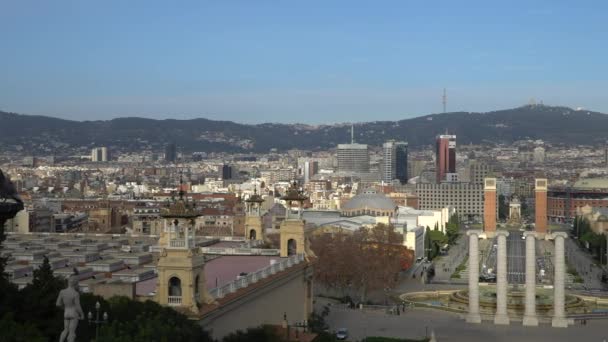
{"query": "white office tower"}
pixel 389 165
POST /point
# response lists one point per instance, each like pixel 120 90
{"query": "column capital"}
pixel 531 233
pixel 501 233
pixel 477 232
pixel 555 235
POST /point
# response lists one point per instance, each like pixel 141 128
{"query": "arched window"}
pixel 252 234
pixel 175 287
pixel 196 285
pixel 291 247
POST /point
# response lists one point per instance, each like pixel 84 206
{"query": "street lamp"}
pixel 97 321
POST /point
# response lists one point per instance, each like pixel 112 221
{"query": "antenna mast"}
pixel 352 133
pixel 444 100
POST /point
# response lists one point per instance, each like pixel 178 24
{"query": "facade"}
pixel 311 168
pixel 478 171
pixel 170 153
pixel 489 206
pixel 539 155
pixel 389 162
pixel 394 161
pixel 401 169
pixel 278 175
pixel 353 158
pixel 466 198
pixel 413 239
pixel 226 171
pixel 540 191
pixel 564 201
pixel 99 154
pixel 445 152
pixel 147 221
pixel 369 203
pixel 410 217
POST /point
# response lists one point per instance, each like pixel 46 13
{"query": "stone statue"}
pixel 69 298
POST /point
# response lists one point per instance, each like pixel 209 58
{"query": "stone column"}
pixel 559 315
pixel 501 316
pixel 530 318
pixel 473 316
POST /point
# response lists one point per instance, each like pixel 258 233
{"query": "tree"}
pixel 452 228
pixel 144 321
pixel 262 333
pixel 37 301
pixel 364 261
pixel 16 332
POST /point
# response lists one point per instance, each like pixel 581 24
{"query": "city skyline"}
pixel 313 63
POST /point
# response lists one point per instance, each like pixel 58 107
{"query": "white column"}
pixel 501 316
pixel 473 316
pixel 559 315
pixel 530 318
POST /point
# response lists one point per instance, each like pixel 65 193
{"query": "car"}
pixel 342 334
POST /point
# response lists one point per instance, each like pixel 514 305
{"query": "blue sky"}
pixel 298 61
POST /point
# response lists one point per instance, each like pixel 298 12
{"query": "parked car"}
pixel 342 334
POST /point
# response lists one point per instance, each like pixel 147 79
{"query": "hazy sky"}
pixel 298 61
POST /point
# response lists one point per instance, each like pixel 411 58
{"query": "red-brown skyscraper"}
pixel 540 191
pixel 446 156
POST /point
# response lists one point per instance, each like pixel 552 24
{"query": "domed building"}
pixel 369 203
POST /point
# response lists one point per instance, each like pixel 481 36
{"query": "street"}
pixel 415 323
pixel 516 258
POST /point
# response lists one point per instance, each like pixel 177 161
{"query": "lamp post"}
pixel 97 321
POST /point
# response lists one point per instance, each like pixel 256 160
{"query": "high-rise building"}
pixel 401 162
pixel 389 156
pixel 226 171
pixel 99 154
pixel 311 168
pixel 478 171
pixel 353 158
pixel 539 155
pixel 170 153
pixel 446 156
pixel 394 161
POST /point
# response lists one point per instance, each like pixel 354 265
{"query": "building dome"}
pixel 369 203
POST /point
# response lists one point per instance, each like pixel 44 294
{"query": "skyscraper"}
pixel 394 161
pixel 170 153
pixel 446 157
pixel 311 168
pixel 99 154
pixel 353 158
pixel 226 171
pixel 389 156
pixel 401 162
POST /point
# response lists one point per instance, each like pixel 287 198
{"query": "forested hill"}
pixel 551 124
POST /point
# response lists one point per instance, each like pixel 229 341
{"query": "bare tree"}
pixel 364 261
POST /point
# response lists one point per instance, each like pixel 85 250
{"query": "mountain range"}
pixel 558 125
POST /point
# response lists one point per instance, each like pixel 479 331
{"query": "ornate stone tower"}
pixel 489 206
pixel 181 277
pixel 293 239
pixel 253 218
